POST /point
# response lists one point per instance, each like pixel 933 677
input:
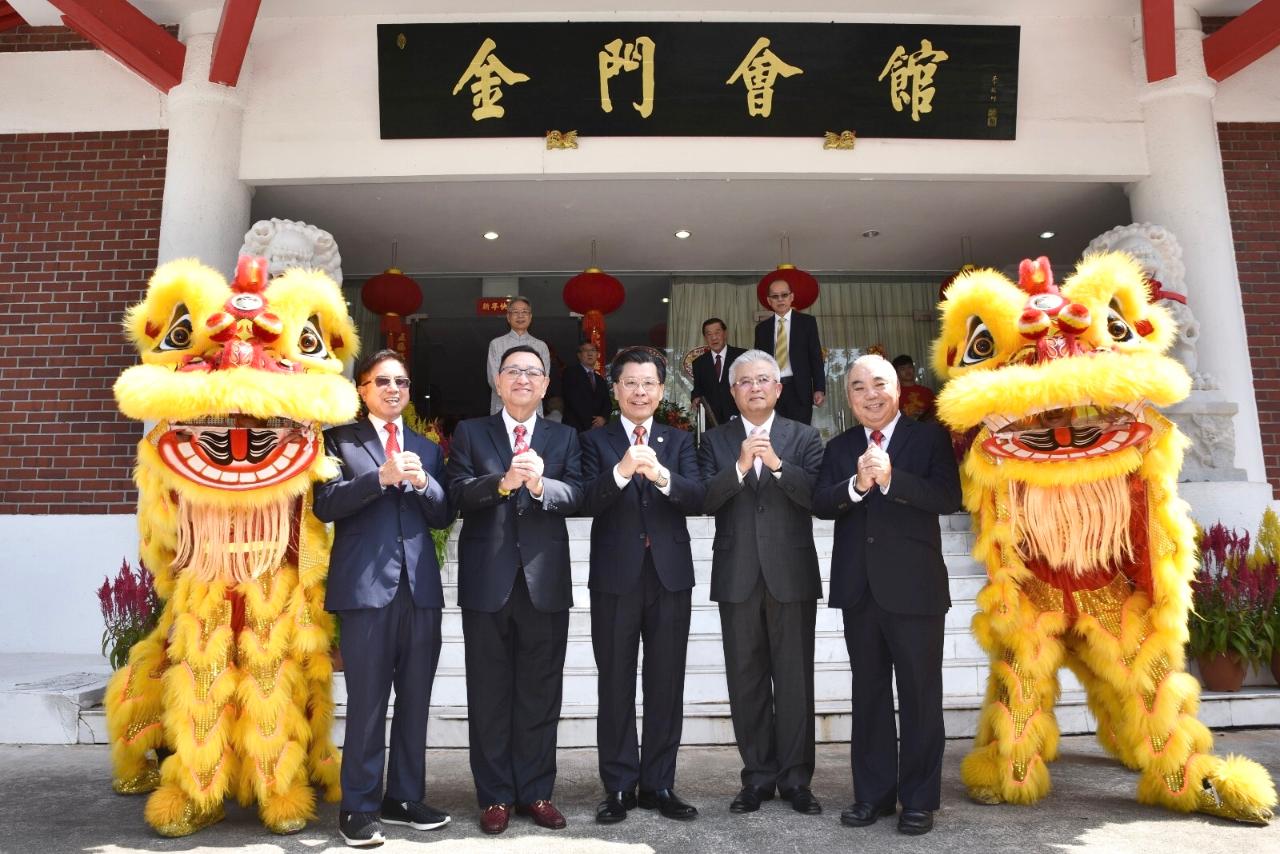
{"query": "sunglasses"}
pixel 384 382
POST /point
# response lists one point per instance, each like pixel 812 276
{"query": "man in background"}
pixel 586 395
pixel 711 372
pixel 916 400
pixel 792 339
pixel 519 318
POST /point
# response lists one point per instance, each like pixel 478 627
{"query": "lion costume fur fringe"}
pixel 235 681
pixel 1071 483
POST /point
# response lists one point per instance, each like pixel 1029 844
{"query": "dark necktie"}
pixel 719 364
pixel 592 375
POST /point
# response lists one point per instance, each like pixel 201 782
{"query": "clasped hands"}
pixel 641 460
pixel 758 446
pixel 403 467
pixel 874 469
pixel 526 470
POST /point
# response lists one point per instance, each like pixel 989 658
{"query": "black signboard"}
pixel 697 79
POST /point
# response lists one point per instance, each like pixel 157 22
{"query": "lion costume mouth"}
pixel 239 452
pixel 1066 433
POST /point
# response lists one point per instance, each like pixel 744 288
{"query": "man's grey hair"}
pixel 750 357
pixel 513 300
pixel 877 365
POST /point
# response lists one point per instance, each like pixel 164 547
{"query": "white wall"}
pixel 1251 95
pixel 79 90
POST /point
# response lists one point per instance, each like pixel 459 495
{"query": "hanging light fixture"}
pixel 803 285
pixel 593 293
pixel 393 295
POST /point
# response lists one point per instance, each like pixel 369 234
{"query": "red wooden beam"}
pixel 1158 39
pixel 9 17
pixel 232 41
pixel 129 36
pixel 1246 38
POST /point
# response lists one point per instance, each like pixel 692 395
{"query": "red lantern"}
pixel 593 293
pixel 393 295
pixel 803 285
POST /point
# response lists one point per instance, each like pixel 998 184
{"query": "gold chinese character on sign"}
pixel 911 78
pixel 618 57
pixel 759 70
pixel 490 74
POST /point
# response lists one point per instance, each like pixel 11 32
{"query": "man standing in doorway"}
pixel 514 477
pixel 760 471
pixel 384 582
pixel 586 396
pixel 711 372
pixel 642 481
pixel 519 318
pixel 792 338
pixel 885 483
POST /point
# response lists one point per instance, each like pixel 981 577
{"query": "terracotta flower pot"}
pixel 1275 665
pixel 1222 672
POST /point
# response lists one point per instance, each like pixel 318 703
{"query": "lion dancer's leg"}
pixel 313 640
pixel 1017 730
pixel 134 704
pixel 199 715
pixel 272 735
pixel 1138 653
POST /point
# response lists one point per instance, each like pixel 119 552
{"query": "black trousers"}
pixel 883 646
pixel 515 673
pixel 399 645
pixel 768 654
pixel 618 622
pixel 795 403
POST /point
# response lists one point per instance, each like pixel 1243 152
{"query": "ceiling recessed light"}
pixel 491 235
pixel 871 232
pixel 666 299
pixel 1045 235
pixel 684 234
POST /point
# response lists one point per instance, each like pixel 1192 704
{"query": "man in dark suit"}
pixel 384 582
pixel 792 339
pixel 760 470
pixel 586 397
pixel 885 483
pixel 711 372
pixel 514 477
pixel 642 481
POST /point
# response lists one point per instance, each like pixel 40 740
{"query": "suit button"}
pixel 871 539
pixel 520 512
pixel 399 539
pixel 760 509
pixel 644 503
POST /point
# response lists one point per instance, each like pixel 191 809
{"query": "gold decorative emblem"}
pixel 843 141
pixel 401 41
pixel 557 139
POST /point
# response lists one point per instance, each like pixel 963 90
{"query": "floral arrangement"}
pixel 673 415
pixel 1234 593
pixel 130 609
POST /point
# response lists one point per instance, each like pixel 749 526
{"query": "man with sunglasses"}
pixel 792 339
pixel 514 477
pixel 384 583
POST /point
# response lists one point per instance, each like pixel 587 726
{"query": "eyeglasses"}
pixel 512 372
pixel 520 313
pixel 633 385
pixel 779 296
pixel 752 382
pixel 384 382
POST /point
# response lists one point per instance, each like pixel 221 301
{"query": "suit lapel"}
pixel 501 444
pixel 901 435
pixel 540 436
pixel 368 436
pixel 617 438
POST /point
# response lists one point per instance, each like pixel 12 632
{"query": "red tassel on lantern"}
pixel 593 293
pixel 393 295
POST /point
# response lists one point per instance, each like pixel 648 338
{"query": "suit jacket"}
pixel 581 402
pixel 624 517
pixel 500 535
pixel 762 525
pixel 715 393
pixel 804 351
pixel 371 521
pixel 891 543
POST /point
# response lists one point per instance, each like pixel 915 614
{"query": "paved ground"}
pixel 58 799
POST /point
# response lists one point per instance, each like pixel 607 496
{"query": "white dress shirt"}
pixel 886 433
pixel 380 427
pixel 629 428
pixel 528 434
pixel 767 428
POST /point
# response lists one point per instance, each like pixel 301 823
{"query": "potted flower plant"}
pixel 130 609
pixel 1233 591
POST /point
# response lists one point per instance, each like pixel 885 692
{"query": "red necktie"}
pixel 639 434
pixel 393 446
pixel 719 364
pixel 877 437
pixel 521 444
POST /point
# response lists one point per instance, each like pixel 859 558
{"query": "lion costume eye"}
pixel 980 346
pixel 310 341
pixel 1117 328
pixel 178 336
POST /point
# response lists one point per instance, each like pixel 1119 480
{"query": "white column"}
pixel 1185 193
pixel 206 206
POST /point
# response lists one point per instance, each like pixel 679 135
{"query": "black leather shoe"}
pixel 613 808
pixel 802 800
pixel 915 822
pixel 669 804
pixel 748 800
pixel 861 814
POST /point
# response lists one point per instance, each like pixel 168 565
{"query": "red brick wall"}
pixel 79 228
pixel 1251 164
pixel 26 38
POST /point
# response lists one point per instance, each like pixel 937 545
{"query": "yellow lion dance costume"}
pixel 236 678
pixel 1071 483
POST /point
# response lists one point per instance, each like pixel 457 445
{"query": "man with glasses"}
pixel 519 317
pixel 792 339
pixel 384 583
pixel 514 477
pixel 759 472
pixel 642 481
